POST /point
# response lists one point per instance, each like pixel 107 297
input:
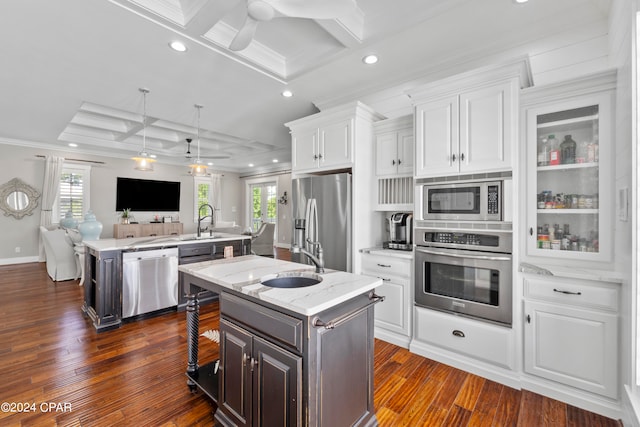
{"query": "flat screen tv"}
pixel 145 195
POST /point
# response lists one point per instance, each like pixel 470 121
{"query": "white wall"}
pixel 18 161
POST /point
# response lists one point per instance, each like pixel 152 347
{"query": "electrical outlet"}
pixel 18 249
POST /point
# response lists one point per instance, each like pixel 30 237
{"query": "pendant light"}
pixel 198 168
pixel 144 162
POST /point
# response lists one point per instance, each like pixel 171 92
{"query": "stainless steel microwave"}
pixel 466 201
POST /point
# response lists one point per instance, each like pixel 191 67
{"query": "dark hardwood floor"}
pixel 56 370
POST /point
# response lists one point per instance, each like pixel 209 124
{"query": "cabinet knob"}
pixel 530 231
pixel 319 156
pixel 393 162
pixel 462 157
pixel 399 162
pixel 453 157
pixel 315 157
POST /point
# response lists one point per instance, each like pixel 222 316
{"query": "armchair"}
pixel 262 241
pixel 59 253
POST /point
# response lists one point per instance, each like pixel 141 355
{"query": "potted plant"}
pixel 125 217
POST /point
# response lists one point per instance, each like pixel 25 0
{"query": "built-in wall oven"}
pixel 465 271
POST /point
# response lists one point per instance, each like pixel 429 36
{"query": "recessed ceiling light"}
pixel 178 46
pixel 210 164
pixel 520 1
pixel 287 93
pixel 153 156
pixel 275 160
pixel 250 165
pixel 71 144
pixel 370 59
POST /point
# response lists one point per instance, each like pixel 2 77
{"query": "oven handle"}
pixel 482 257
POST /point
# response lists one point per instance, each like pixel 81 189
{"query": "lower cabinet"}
pixel 393 315
pixel 259 380
pixel 571 333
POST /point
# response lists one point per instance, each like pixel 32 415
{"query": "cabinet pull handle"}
pixel 399 162
pixel 384 265
pixel 385 280
pixel 254 363
pixel 566 292
pixel 318 323
pixel 458 333
pixel 530 231
pixel 130 235
pixel 319 156
pixel 315 157
pixel 462 157
pixel 453 157
pixel 245 356
pixel 393 162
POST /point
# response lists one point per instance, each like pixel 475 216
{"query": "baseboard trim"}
pixel 19 260
pixel 283 245
pixel 584 400
pixel 474 366
pixel 630 408
pixel 393 338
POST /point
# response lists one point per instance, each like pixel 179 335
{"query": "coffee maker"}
pixel 401 231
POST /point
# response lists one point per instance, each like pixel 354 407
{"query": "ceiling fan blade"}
pixel 245 35
pixel 313 9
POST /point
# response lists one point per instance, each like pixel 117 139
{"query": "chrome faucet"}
pixel 200 218
pixel 317 257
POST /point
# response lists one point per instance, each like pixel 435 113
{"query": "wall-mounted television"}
pixel 145 195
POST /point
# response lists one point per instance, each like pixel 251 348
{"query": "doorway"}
pixel 263 204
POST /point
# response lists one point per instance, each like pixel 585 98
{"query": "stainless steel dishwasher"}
pixel 149 281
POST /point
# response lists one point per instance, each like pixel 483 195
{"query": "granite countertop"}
pixel 242 274
pixel 159 241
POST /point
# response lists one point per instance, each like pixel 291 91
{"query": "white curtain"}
pixel 216 187
pixel 52 171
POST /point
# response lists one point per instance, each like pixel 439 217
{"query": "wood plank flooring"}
pixel 134 376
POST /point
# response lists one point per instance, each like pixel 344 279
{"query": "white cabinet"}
pixel 571 332
pixel 569 145
pixel 394 146
pixel 393 315
pixel 469 132
pixel 324 147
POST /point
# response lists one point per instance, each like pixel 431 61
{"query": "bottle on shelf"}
pixel 554 150
pixel 568 150
pixel 543 153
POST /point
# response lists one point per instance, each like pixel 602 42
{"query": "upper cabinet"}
pixel 394 146
pixel 569 146
pixel 326 141
pixel 468 123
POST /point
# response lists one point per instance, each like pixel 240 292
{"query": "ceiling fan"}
pixel 188 154
pixel 265 10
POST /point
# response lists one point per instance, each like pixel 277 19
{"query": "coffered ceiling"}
pixel 71 70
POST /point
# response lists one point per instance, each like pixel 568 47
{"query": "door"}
pixel 335 144
pixel 437 137
pixel 305 149
pixel 263 204
pixel 235 374
pixel 276 385
pixel 572 346
pixel 387 154
pixel 486 129
pixel 406 150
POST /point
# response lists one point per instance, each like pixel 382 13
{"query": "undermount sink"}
pixel 291 280
pixel 203 237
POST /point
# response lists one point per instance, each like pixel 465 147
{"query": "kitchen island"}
pixel 107 288
pixel 294 356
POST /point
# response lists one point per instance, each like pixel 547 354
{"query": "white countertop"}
pixel 159 241
pixel 388 252
pixel 572 272
pixel 243 274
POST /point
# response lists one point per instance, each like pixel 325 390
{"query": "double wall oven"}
pixel 463 255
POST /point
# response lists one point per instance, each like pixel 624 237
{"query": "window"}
pixel 73 192
pixel 263 204
pixel 203 194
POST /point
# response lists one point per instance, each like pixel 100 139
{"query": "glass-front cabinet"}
pixel 569 146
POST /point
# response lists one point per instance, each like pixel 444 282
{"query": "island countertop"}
pixel 242 274
pixel 134 243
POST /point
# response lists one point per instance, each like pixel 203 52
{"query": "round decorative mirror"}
pixel 17 198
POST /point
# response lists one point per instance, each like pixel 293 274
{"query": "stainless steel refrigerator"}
pixel 324 202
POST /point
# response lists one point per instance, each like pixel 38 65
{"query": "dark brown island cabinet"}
pixel 103 273
pixel 280 368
